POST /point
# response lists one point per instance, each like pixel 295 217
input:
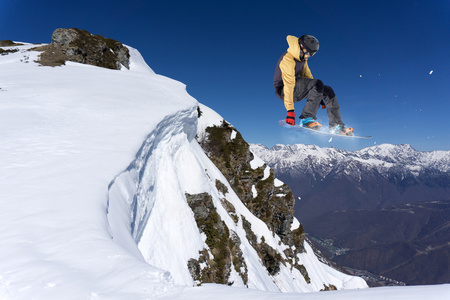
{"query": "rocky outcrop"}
pixel 9 43
pixel 270 202
pixel 224 245
pixel 80 46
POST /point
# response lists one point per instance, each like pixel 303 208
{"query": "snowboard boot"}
pixel 310 123
pixel 342 130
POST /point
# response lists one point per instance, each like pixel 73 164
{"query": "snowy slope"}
pixel 94 166
pixel 66 133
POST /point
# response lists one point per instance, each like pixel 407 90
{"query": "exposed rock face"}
pixel 64 37
pixel 80 46
pixel 222 242
pixel 269 256
pixel 273 204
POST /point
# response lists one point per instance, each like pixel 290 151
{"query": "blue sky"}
pixel 377 55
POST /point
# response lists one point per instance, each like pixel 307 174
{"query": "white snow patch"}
pixel 233 134
pixel 254 191
pixel 256 162
pixel 278 182
pixel 266 173
pixel 295 224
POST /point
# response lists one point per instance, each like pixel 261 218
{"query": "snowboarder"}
pixel 293 82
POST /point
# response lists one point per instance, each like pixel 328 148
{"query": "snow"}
pixel 94 167
pixel 266 173
pixel 210 291
pixel 278 182
pixel 256 162
pixel 254 192
pixel 295 224
pixel 67 132
pixel 233 134
pixel 381 157
pixel 209 118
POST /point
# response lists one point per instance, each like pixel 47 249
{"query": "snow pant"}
pixel 315 91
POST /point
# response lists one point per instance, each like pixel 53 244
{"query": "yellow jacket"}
pixel 289 67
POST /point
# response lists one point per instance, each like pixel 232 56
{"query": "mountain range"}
pixel 383 209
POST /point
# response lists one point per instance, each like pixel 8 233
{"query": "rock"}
pixel 63 37
pixel 222 244
pixel 8 43
pixel 273 204
pixel 80 46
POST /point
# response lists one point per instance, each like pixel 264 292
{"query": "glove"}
pixel 322 104
pixel 290 119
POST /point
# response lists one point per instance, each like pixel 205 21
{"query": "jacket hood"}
pixel 294 47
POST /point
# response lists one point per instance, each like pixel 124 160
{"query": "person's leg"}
pixel 332 106
pixel 312 90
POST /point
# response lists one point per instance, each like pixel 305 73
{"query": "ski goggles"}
pixel 306 51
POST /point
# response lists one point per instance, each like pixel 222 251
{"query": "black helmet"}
pixel 310 43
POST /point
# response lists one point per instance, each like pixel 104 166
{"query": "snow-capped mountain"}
pixel 379 175
pixel 382 158
pixel 358 204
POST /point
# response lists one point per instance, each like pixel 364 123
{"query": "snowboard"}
pixel 323 131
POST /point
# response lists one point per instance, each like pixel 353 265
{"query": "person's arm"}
pixel 306 73
pixel 287 67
